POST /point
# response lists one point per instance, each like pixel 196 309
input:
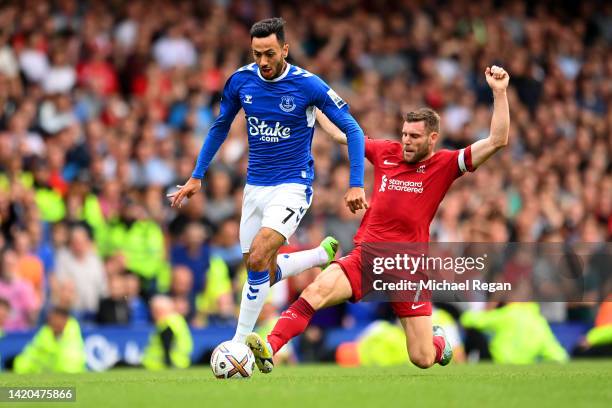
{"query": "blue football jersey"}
pixel 280 119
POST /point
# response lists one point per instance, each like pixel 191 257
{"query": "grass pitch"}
pixel 578 384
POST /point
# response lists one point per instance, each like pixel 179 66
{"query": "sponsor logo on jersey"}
pixel 400 185
pixel 336 99
pixel 287 104
pixel 383 184
pixel 248 99
pixel 267 133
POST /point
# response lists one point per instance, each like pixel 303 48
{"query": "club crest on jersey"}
pixel 287 103
pixel 248 99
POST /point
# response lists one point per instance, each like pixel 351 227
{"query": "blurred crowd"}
pixel 104 106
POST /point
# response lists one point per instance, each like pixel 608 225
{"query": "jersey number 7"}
pixel 291 212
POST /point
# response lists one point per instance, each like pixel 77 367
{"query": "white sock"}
pixel 254 294
pixel 296 262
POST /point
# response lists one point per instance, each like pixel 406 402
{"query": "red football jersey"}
pixel 406 196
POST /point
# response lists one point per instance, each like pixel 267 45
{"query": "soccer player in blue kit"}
pixel 280 102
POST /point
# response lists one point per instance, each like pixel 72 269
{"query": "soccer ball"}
pixel 232 360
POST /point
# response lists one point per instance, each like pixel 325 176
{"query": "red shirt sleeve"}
pixel 370 149
pixel 374 147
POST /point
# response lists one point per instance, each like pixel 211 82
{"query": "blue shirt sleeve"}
pixel 230 105
pixel 337 110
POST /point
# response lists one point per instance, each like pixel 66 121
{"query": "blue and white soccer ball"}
pixel 232 360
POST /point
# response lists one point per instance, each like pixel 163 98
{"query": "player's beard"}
pixel 419 154
pixel 277 70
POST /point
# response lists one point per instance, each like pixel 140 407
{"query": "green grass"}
pixel 578 384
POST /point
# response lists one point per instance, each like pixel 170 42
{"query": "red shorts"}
pixel 351 266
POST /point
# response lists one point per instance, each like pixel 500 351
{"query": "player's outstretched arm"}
pixel 498 79
pixel 331 129
pixel 324 98
pixel 355 196
pixel 230 105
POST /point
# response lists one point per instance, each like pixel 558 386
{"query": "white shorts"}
pixel 280 208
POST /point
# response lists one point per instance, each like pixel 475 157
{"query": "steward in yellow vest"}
pixel 57 347
pixel 171 344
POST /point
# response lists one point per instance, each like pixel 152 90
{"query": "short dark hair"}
pixel 269 26
pixel 429 116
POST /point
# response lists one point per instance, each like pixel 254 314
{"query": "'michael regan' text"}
pixel 443 285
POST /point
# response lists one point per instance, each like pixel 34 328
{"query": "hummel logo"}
pixel 388 163
pixel 248 99
pixel 415 307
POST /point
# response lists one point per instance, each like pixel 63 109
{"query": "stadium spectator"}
pixel 192 212
pixel 139 312
pixel 8 62
pixel 48 197
pixel 181 291
pixel 147 169
pixel 194 253
pixel 23 300
pixel 97 73
pixel 5 309
pixel 41 244
pixel 61 76
pixel 63 293
pixel 216 301
pixel 171 344
pixel 29 266
pixel 174 49
pixel 520 335
pixel 81 264
pixel 57 347
pixel 33 61
pixel 221 204
pixel 115 309
pixel 382 343
pixel 141 241
pixel 225 245
pixel 598 341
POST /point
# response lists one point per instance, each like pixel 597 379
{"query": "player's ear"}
pixel 434 137
pixel 285 50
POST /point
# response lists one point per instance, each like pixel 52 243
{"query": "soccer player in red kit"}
pixel 410 182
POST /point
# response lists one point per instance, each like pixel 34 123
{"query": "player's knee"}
pixel 421 358
pixel 259 260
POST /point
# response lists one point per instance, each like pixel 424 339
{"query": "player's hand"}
pixel 497 78
pixel 355 199
pixel 192 186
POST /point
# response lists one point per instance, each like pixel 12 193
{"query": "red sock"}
pixel 439 343
pixel 291 322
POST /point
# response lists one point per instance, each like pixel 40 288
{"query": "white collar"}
pixel 278 78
